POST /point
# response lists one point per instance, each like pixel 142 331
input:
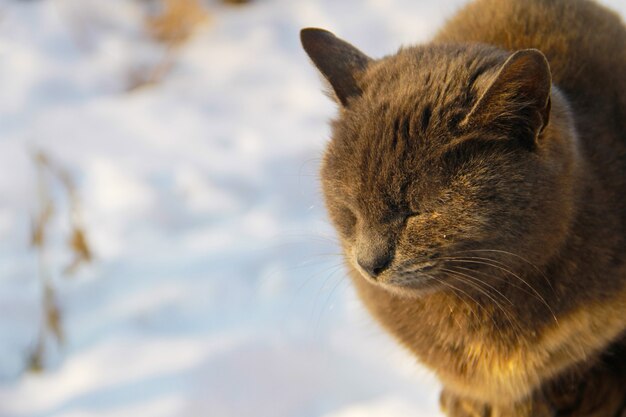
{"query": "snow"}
pixel 217 288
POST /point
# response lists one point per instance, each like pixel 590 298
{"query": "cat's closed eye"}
pixel 414 208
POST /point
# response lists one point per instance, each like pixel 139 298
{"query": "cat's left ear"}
pixel 337 60
pixel 517 102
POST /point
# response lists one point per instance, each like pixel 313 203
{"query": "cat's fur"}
pixel 479 191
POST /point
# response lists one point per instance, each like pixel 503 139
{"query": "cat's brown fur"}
pixel 481 211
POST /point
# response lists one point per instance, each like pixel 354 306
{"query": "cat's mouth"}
pixel 416 280
pixel 418 277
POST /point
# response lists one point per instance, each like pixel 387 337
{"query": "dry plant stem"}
pixel 39 242
pixel 172 28
pixel 177 21
pixel 156 73
pixel 51 323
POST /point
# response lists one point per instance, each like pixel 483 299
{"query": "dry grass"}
pixel 49 176
pixel 145 77
pixel 172 26
pixel 177 21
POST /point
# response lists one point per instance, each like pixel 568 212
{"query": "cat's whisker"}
pixel 490 276
pixel 332 269
pixel 476 302
pixel 504 252
pixel 513 321
pixel 454 292
pixel 324 286
pixel 475 283
pixel 315 259
pixel 329 297
pixel 479 280
pixel 481 285
pixel 497 265
pixel 411 263
pixel 469 307
pixel 490 262
pixel 303 238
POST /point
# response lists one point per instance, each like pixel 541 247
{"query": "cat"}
pixel 478 187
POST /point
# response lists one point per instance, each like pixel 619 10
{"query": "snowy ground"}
pixel 217 289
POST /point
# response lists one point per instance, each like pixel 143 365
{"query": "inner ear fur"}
pixel 518 99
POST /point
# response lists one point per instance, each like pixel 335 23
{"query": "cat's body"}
pixel 483 212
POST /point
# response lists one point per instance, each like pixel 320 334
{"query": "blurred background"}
pixel 165 249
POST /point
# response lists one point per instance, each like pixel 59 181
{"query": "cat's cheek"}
pixel 344 221
pixel 349 224
pixel 425 232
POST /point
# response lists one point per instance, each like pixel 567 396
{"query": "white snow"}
pixel 217 288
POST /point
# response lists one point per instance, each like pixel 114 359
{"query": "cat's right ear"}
pixel 337 60
pixel 518 99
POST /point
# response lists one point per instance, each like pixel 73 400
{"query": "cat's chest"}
pixel 459 343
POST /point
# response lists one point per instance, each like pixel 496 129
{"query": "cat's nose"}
pixel 376 264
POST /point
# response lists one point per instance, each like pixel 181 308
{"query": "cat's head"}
pixel 446 162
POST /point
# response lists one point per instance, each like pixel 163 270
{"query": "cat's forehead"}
pixel 439 70
pixel 417 96
pixel 410 105
pixel 443 78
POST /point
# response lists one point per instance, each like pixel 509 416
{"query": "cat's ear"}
pixel 337 60
pixel 518 99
